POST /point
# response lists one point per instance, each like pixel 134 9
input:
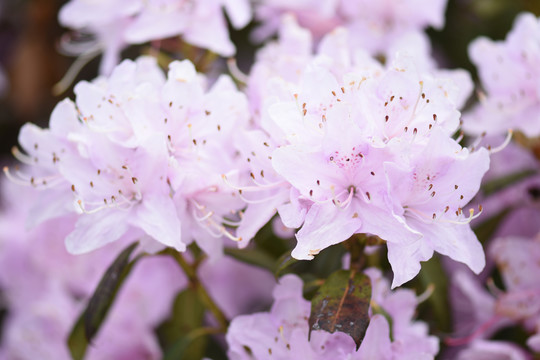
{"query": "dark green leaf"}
pixel 327 261
pixel 214 350
pixel 104 296
pixel 501 183
pixel 486 229
pixel 180 350
pixel 99 304
pixel 342 304
pixel 254 257
pixel 187 315
pixel 433 274
pixel 283 263
pixel 77 342
pixel 376 309
pixel 271 244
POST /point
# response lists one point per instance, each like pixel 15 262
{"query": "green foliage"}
pixel 178 336
pixel 502 183
pixel 432 277
pixel 90 320
pixel 253 256
pixel 486 229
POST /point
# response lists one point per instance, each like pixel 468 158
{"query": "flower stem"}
pixel 355 245
pixel 196 283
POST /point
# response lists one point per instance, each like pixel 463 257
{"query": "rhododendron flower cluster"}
pixel 327 112
pixel 381 161
pixel 373 154
pixel 139 153
pixel 318 195
pixel 509 76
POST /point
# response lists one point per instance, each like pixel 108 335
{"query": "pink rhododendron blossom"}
pixel 374 155
pixel 518 200
pixel 472 312
pixel 519 203
pixel 517 258
pixel 221 278
pixel 383 23
pixel 493 350
pixel 282 333
pixel 141 155
pixel 117 23
pixel 377 25
pixel 277 75
pixel 281 230
pixel 509 76
pixel 280 64
pixel 519 304
pixel 411 338
pixel 320 17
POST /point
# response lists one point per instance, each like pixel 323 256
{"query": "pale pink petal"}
pixel 95 230
pixel 156 216
pixel 324 225
pixel 376 343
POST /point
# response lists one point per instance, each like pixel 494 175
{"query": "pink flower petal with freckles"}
pixel 156 216
pixel 93 231
pixel 324 225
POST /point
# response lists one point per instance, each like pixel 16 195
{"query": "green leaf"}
pixel 77 342
pixel 283 263
pixel 104 296
pixel 342 304
pixel 187 315
pixel 90 320
pixel 327 261
pixel 214 349
pixel 433 274
pixel 503 182
pixel 254 257
pixel 180 350
pixel 271 244
pixel 486 229
pixel 376 309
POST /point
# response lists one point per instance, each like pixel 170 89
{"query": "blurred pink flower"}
pixel 509 76
pixel 115 24
pixel 283 332
pixel 377 25
pixel 480 314
pixel 45 289
pixel 494 350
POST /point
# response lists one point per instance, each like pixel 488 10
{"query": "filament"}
pixel 504 144
pixel 236 72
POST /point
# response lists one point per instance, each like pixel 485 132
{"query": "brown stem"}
pixel 196 283
pixel 355 245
